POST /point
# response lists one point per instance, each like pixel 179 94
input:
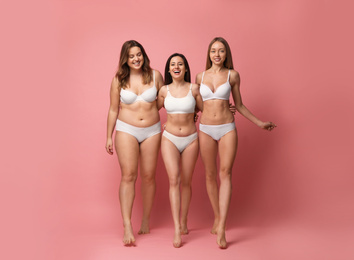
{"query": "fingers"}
pixel 109 149
pixel 271 126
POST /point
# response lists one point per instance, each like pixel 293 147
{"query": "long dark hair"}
pixel 228 61
pixel 123 70
pixel 168 77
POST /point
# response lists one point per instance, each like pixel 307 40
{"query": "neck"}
pixel 136 72
pixel 216 68
pixel 178 82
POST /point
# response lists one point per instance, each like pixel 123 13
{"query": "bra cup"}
pixel 149 95
pixel 184 105
pixel 127 97
pixel 222 92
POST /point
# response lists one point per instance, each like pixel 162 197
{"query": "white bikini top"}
pixel 221 92
pixel 129 97
pixel 183 105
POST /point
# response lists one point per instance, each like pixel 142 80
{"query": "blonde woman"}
pixel 217 131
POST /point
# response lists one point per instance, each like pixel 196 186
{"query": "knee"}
pixel 148 178
pixel 210 175
pixel 186 184
pixel 129 177
pixel 225 173
pixel 174 181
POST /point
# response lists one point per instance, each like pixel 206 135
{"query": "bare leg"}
pixel 188 159
pixel 171 158
pixel 127 148
pixel 227 154
pixel 149 150
pixel 208 152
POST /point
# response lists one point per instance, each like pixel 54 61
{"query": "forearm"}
pixel 111 122
pixel 247 114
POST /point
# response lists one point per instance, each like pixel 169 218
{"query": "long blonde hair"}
pixel 228 61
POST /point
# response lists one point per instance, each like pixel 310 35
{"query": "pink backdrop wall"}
pixel 60 187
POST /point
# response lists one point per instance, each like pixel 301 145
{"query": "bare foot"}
pixel 184 229
pixel 128 238
pixel 177 240
pixel 221 239
pixel 214 230
pixel 144 228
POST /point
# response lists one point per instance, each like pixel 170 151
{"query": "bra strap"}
pixel 202 77
pixel 153 74
pixel 228 76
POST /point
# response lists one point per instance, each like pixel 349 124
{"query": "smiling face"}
pixel 177 67
pixel 217 53
pixel 135 58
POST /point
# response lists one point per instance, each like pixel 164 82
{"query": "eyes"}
pixel 174 64
pixel 214 51
pixel 138 55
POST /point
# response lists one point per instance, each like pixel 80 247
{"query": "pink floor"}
pixel 248 243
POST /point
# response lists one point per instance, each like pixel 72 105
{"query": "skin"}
pixel 216 112
pixel 179 166
pixel 129 151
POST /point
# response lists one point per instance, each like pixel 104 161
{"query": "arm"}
pixel 198 98
pixel 112 113
pixel 241 108
pixel 158 80
pixel 161 97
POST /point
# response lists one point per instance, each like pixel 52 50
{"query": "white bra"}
pixel 183 105
pixel 129 97
pixel 221 92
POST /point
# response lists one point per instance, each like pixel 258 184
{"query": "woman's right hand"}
pixel 109 146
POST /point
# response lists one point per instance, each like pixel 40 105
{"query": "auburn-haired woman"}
pixel 217 131
pixel 134 115
pixel 179 143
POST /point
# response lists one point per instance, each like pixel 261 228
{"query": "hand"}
pixel 109 146
pixel 195 117
pixel 268 126
pixel 232 108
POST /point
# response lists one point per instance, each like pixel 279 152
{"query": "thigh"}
pixel 127 148
pixel 188 160
pixel 208 152
pixel 227 150
pixel 171 157
pixel 149 150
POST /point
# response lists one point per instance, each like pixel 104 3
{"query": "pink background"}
pixel 293 188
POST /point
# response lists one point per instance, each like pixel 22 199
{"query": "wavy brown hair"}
pixel 123 70
pixel 228 61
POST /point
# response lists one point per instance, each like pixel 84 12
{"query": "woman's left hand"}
pixel 232 108
pixel 268 126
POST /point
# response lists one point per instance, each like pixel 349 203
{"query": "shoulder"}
pixel 195 89
pixel 157 74
pixel 198 78
pixel 115 83
pixel 234 74
pixel 163 91
pixel 234 77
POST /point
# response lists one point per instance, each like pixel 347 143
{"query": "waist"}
pixel 216 113
pixel 139 118
pixel 181 127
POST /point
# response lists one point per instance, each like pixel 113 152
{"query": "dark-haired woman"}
pixel 133 112
pixel 179 143
pixel 217 131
